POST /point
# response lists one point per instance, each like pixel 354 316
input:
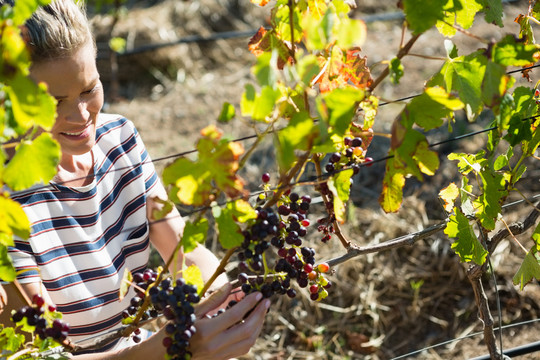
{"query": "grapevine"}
pixel 315 95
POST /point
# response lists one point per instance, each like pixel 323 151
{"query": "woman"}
pixel 95 220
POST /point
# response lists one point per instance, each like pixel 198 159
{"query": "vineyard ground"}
pixel 373 311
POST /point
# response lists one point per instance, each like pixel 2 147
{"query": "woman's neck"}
pixel 75 170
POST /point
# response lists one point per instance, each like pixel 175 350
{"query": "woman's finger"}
pixel 213 300
pixel 236 339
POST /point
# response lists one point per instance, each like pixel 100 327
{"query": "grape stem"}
pixel 285 180
pixel 337 229
pixel 22 293
pixel 219 270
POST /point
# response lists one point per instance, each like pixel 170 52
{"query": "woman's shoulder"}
pixel 113 125
pixel 108 120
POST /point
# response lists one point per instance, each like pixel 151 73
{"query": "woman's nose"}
pixel 78 113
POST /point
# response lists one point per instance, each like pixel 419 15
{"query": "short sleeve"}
pixel 24 262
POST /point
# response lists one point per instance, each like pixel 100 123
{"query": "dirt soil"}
pixel 382 305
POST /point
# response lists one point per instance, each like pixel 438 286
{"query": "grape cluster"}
pixel 42 318
pixel 326 227
pixel 255 243
pixel 295 261
pixel 351 155
pixel 175 300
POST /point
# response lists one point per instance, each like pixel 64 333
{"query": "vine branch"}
pixel 401 53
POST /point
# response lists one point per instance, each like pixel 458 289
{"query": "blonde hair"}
pixel 57 30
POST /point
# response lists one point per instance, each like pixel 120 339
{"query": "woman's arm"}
pixel 165 234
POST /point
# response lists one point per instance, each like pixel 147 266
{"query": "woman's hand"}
pixel 231 333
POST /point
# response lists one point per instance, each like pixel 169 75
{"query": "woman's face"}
pixel 74 82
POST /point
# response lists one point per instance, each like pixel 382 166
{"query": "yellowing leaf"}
pixel 13 221
pixel 195 182
pixel 34 162
pixel 127 279
pixel 340 186
pixel 449 195
pixel 317 8
pixel 7 271
pixel 193 276
pixel 194 234
pixel 392 191
pixel 427 160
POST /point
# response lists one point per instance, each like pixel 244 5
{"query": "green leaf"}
pixel 529 269
pixel 466 244
pixel 318 32
pixel 265 70
pixel 469 162
pixel 23 9
pixel 458 12
pixel 422 15
pixel 295 136
pixel 512 52
pixel 194 234
pixel 7 271
pixel 31 104
pixel 465 75
pixel 230 233
pixel 127 279
pixel 227 113
pixel 431 108
pixel 341 107
pixel 350 33
pixel 396 70
pixel 489 203
pixel 412 154
pixel 494 12
pixel 307 68
pixel 265 102
pixel 503 159
pixel 340 185
pixel 469 9
pixel 193 276
pixel 282 23
pixel 13 221
pixel 247 103
pixel 496 82
pixel 34 162
pixel 10 340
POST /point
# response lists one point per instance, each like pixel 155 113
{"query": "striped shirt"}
pixel 82 238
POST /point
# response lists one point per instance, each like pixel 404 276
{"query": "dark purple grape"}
pixel 335 157
pixel 356 142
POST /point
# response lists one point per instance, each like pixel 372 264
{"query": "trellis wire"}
pixel 447 342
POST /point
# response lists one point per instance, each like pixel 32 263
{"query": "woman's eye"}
pixel 94 89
